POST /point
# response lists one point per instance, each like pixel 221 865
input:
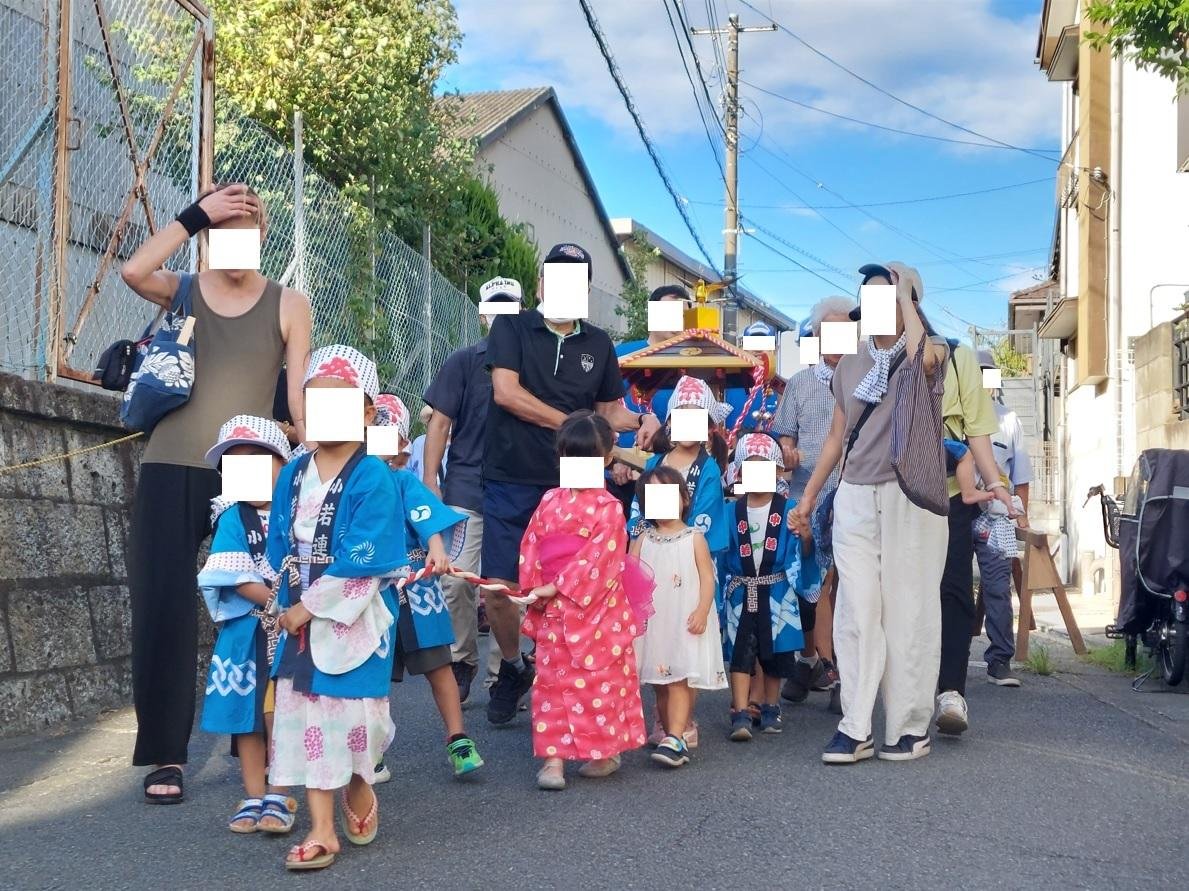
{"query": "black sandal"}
pixel 164 776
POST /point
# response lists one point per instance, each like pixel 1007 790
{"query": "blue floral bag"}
pixel 164 372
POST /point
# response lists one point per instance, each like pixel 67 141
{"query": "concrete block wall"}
pixel 64 605
pixel 1156 422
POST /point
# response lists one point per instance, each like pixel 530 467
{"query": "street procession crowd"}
pixel 828 547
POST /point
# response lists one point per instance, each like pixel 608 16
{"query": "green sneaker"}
pixel 464 757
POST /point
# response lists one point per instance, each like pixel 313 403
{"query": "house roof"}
pixel 626 227
pixel 1037 292
pixel 487 116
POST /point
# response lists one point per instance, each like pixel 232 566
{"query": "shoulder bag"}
pixel 163 375
pixel 918 456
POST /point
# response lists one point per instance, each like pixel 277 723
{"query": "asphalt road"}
pixel 1070 782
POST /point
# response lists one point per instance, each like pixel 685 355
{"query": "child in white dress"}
pixel 681 649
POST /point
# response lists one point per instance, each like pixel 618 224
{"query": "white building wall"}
pixel 1152 203
pixel 534 174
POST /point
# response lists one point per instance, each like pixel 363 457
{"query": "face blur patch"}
pixel 810 350
pixel 246 477
pixel 666 315
pixel 992 378
pixel 234 248
pixel 662 501
pixel 567 291
pixel 878 307
pixel 839 338
pixel 759 343
pixel 758 476
pixel 582 473
pixel 334 414
pixel 383 441
pixel 689 425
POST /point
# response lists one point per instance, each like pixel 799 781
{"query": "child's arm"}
pixel 436 559
pixel 696 623
pixel 635 547
pixel 964 474
pixel 256 592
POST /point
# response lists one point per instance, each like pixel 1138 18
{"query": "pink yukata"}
pixel 586 698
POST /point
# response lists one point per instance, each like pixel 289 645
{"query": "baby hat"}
pixel 693 392
pixel 392 412
pixel 249 430
pixel 346 364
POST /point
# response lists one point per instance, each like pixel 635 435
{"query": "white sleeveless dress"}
pixel 667 652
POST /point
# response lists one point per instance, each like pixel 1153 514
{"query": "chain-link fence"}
pixel 107 129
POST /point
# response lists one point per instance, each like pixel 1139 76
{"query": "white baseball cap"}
pixel 505 289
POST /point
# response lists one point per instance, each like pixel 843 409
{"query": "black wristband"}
pixel 194 219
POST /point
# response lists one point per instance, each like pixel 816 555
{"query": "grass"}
pixel 1039 662
pixel 1113 657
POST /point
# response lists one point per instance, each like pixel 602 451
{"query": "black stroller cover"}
pixel 1153 536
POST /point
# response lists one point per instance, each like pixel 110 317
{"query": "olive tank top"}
pixel 236 363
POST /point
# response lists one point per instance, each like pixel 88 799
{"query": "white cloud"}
pixel 957 59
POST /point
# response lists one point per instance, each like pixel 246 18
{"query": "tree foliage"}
pixel 633 307
pixel 1154 34
pixel 1009 360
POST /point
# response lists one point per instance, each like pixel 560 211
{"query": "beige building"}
pixel 1113 334
pixel 670 266
pixel 528 154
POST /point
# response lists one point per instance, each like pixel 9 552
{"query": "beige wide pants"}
pixel 887 622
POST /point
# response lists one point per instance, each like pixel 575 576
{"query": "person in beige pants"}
pixel 888 552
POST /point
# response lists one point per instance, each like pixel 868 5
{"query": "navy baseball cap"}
pixel 878 270
pixel 571 253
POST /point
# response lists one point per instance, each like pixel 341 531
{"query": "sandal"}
pixel 599 767
pixel 249 809
pixel 279 807
pixel 322 861
pixel 350 821
pixel 164 776
pixel 551 777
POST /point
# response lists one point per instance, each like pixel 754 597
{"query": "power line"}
pixel 697 101
pixel 891 95
pixel 685 30
pixel 902 202
pixel 800 251
pixel 872 124
pixel 656 160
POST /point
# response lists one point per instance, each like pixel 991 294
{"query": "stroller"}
pixel 1151 532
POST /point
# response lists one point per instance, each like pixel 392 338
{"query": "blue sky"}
pixel 968 61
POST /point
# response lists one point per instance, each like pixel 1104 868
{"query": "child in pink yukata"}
pixel 586 699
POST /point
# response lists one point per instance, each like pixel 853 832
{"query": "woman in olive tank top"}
pixel 245 327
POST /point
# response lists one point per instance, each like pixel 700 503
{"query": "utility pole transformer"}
pixel 731 131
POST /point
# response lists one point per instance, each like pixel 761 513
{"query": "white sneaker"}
pixel 951 713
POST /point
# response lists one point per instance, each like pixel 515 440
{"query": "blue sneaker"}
pixel 740 726
pixel 671 752
pixel 844 750
pixel 770 720
pixel 907 748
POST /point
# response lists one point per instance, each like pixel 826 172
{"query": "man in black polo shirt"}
pixel 541 371
pixel 459 396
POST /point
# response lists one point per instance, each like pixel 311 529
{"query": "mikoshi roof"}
pixel 699 353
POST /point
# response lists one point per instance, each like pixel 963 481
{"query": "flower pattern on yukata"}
pixel 586 698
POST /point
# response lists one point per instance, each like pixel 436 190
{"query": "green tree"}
pixel 1009 360
pixel 520 259
pixel 1154 34
pixel 633 307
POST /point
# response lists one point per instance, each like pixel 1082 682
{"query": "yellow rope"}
pixel 102 445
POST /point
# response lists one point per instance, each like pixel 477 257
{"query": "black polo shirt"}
pixel 462 392
pixel 566 373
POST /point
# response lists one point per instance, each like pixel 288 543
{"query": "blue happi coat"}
pixel 786 556
pixel 425 515
pixel 234 687
pixel 368 540
pixel 707 510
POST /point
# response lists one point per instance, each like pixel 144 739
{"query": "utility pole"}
pixel 731 127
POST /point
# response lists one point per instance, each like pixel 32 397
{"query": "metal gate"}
pixel 108 111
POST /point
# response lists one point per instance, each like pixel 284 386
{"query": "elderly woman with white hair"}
pixel 801 425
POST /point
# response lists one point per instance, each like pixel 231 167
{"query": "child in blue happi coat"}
pixel 337 546
pixel 235 584
pixel 765 568
pixel 424 632
pixel 702 471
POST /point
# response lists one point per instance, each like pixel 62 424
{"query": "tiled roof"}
pixel 1035 292
pixel 482 115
